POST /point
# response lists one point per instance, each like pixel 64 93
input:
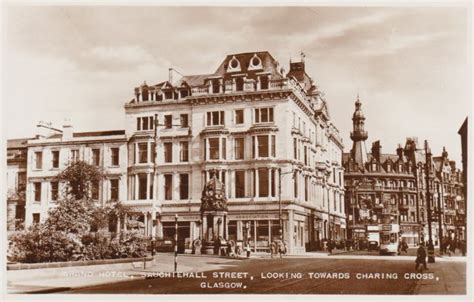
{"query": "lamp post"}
pixel 431 258
pixel 279 202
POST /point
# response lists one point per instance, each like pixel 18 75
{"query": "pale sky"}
pixel 411 66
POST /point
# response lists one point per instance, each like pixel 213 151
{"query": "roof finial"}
pixel 302 54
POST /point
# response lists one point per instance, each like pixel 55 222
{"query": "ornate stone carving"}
pixel 213 196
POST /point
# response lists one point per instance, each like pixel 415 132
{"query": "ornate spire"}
pixel 358 135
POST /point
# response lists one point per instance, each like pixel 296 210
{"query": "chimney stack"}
pixel 67 130
pixel 376 150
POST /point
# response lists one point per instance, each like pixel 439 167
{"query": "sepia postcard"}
pixel 228 151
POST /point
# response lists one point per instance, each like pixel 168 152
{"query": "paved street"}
pixel 363 275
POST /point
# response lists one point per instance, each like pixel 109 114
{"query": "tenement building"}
pixel 267 133
pixel 389 191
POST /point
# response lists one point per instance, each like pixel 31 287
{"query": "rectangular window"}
pixel 239 84
pixel 239 116
pixel 38 160
pixel 55 158
pixel 142 153
pixel 139 123
pixel 264 115
pixel 168 149
pixel 184 151
pixel 263 82
pixel 306 188
pixel 168 186
pixel 295 148
pixel 95 190
pixel 75 155
pixel 239 147
pixel 213 148
pixel 296 185
pixel 36 218
pixel 142 186
pixel 168 121
pixel 273 138
pixel 305 151
pixel 114 189
pixel 224 149
pixel 263 182
pixel 184 120
pixel 54 190
pixel 215 118
pixel 37 191
pixel 262 145
pixel 96 157
pixel 145 123
pixel 183 186
pixel 115 156
pixel 239 184
pixel 184 93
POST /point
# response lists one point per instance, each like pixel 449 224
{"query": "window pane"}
pixel 142 186
pixel 184 120
pixel 257 116
pixel 183 186
pixel 168 121
pixel 55 159
pixel 262 145
pixel 184 152
pixel 115 156
pixel 39 160
pixel 239 148
pixel 37 188
pixel 168 186
pixel 264 115
pixel 54 190
pixel 213 148
pixel 96 157
pixel 114 189
pixel 239 184
pixel 270 118
pixel 263 182
pixel 143 152
pixel 168 148
pixel 139 124
pixel 215 118
pixel 239 116
pixel 224 149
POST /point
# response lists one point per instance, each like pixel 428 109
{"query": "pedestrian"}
pixel 330 246
pixel 404 247
pixel 420 257
pixel 247 249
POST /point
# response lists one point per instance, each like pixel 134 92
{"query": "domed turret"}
pixel 358 135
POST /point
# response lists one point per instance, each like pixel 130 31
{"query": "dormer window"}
pixel 234 65
pixel 215 86
pixel 255 63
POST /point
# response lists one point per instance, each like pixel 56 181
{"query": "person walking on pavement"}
pixel 421 257
pixel 247 249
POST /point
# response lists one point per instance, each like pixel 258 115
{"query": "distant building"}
pixel 16 182
pixel 52 152
pixel 390 189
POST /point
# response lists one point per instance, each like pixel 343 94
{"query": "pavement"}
pixel 452 278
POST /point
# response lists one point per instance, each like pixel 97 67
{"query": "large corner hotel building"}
pixel 253 122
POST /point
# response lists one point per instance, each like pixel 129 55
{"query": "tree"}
pixel 79 178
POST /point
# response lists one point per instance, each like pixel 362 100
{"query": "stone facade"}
pixel 267 132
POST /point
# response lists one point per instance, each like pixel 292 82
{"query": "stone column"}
pixel 257 185
pixel 291 231
pixel 239 230
pixel 136 186
pixel 148 182
pixel 159 229
pixel 269 171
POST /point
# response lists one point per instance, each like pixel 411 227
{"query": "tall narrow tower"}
pixel 358 135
